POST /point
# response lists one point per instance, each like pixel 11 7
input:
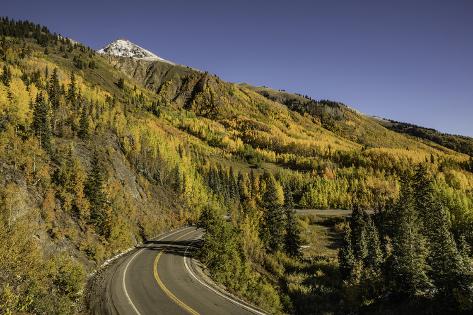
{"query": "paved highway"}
pixel 158 279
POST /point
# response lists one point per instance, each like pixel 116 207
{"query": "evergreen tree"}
pixel 464 249
pixel 447 268
pixel 292 239
pixel 233 189
pixel 95 193
pixel 273 216
pixel 6 75
pixel 176 181
pixel 84 122
pixel 374 259
pixel 41 122
pixel 255 185
pixel 358 232
pixel 243 188
pixel 424 198
pixel 54 90
pixel 220 250
pixel 121 83
pixel 72 89
pixel 409 267
pixel 346 257
pixel 449 272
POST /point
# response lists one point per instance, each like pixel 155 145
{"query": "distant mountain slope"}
pixel 455 142
pixel 345 121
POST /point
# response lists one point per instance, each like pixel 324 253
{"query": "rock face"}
pixel 125 48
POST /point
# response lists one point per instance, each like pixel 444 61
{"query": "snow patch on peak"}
pixel 125 48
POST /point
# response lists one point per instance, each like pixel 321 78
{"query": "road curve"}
pixel 157 279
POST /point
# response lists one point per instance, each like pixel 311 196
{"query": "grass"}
pixel 312 284
pixel 322 234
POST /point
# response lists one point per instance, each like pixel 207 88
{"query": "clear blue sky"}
pixel 408 60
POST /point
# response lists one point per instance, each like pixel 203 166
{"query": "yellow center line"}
pixel 186 307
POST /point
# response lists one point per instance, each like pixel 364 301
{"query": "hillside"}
pixel 458 143
pixel 99 153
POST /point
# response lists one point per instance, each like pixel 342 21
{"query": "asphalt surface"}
pixel 328 212
pixel 157 279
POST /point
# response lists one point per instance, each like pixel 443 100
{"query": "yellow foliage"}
pixel 21 101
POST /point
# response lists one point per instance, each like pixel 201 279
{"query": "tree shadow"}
pixel 334 238
pixel 323 297
pixel 182 248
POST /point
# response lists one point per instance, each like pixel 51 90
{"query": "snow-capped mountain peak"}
pixel 125 48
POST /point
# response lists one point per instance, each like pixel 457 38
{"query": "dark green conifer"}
pixel 54 90
pixel 6 75
pixel 292 239
pixel 448 269
pixel 121 83
pixel 72 89
pixel 374 259
pixel 84 122
pixel 409 266
pixel 41 122
pixel 94 190
pixel 346 257
pixel 358 232
pixel 273 217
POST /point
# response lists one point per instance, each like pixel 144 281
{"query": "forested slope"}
pixel 98 153
pixel 455 142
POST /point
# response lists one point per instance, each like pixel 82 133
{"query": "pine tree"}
pixel 273 217
pixel 374 259
pixel 54 90
pixel 95 193
pixel 233 189
pixel 84 123
pixel 255 185
pixel 346 257
pixel 6 75
pixel 176 181
pixel 41 122
pixel 358 232
pixel 72 89
pixel 292 239
pixel 409 267
pixel 423 198
pixel 243 188
pixel 220 249
pixel 121 83
pixel 448 269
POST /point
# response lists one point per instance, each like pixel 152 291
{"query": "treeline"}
pixel 455 142
pixel 407 258
pixel 26 29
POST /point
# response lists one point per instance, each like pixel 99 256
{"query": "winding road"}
pixel 159 278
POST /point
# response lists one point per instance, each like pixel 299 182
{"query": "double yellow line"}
pixel 166 291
